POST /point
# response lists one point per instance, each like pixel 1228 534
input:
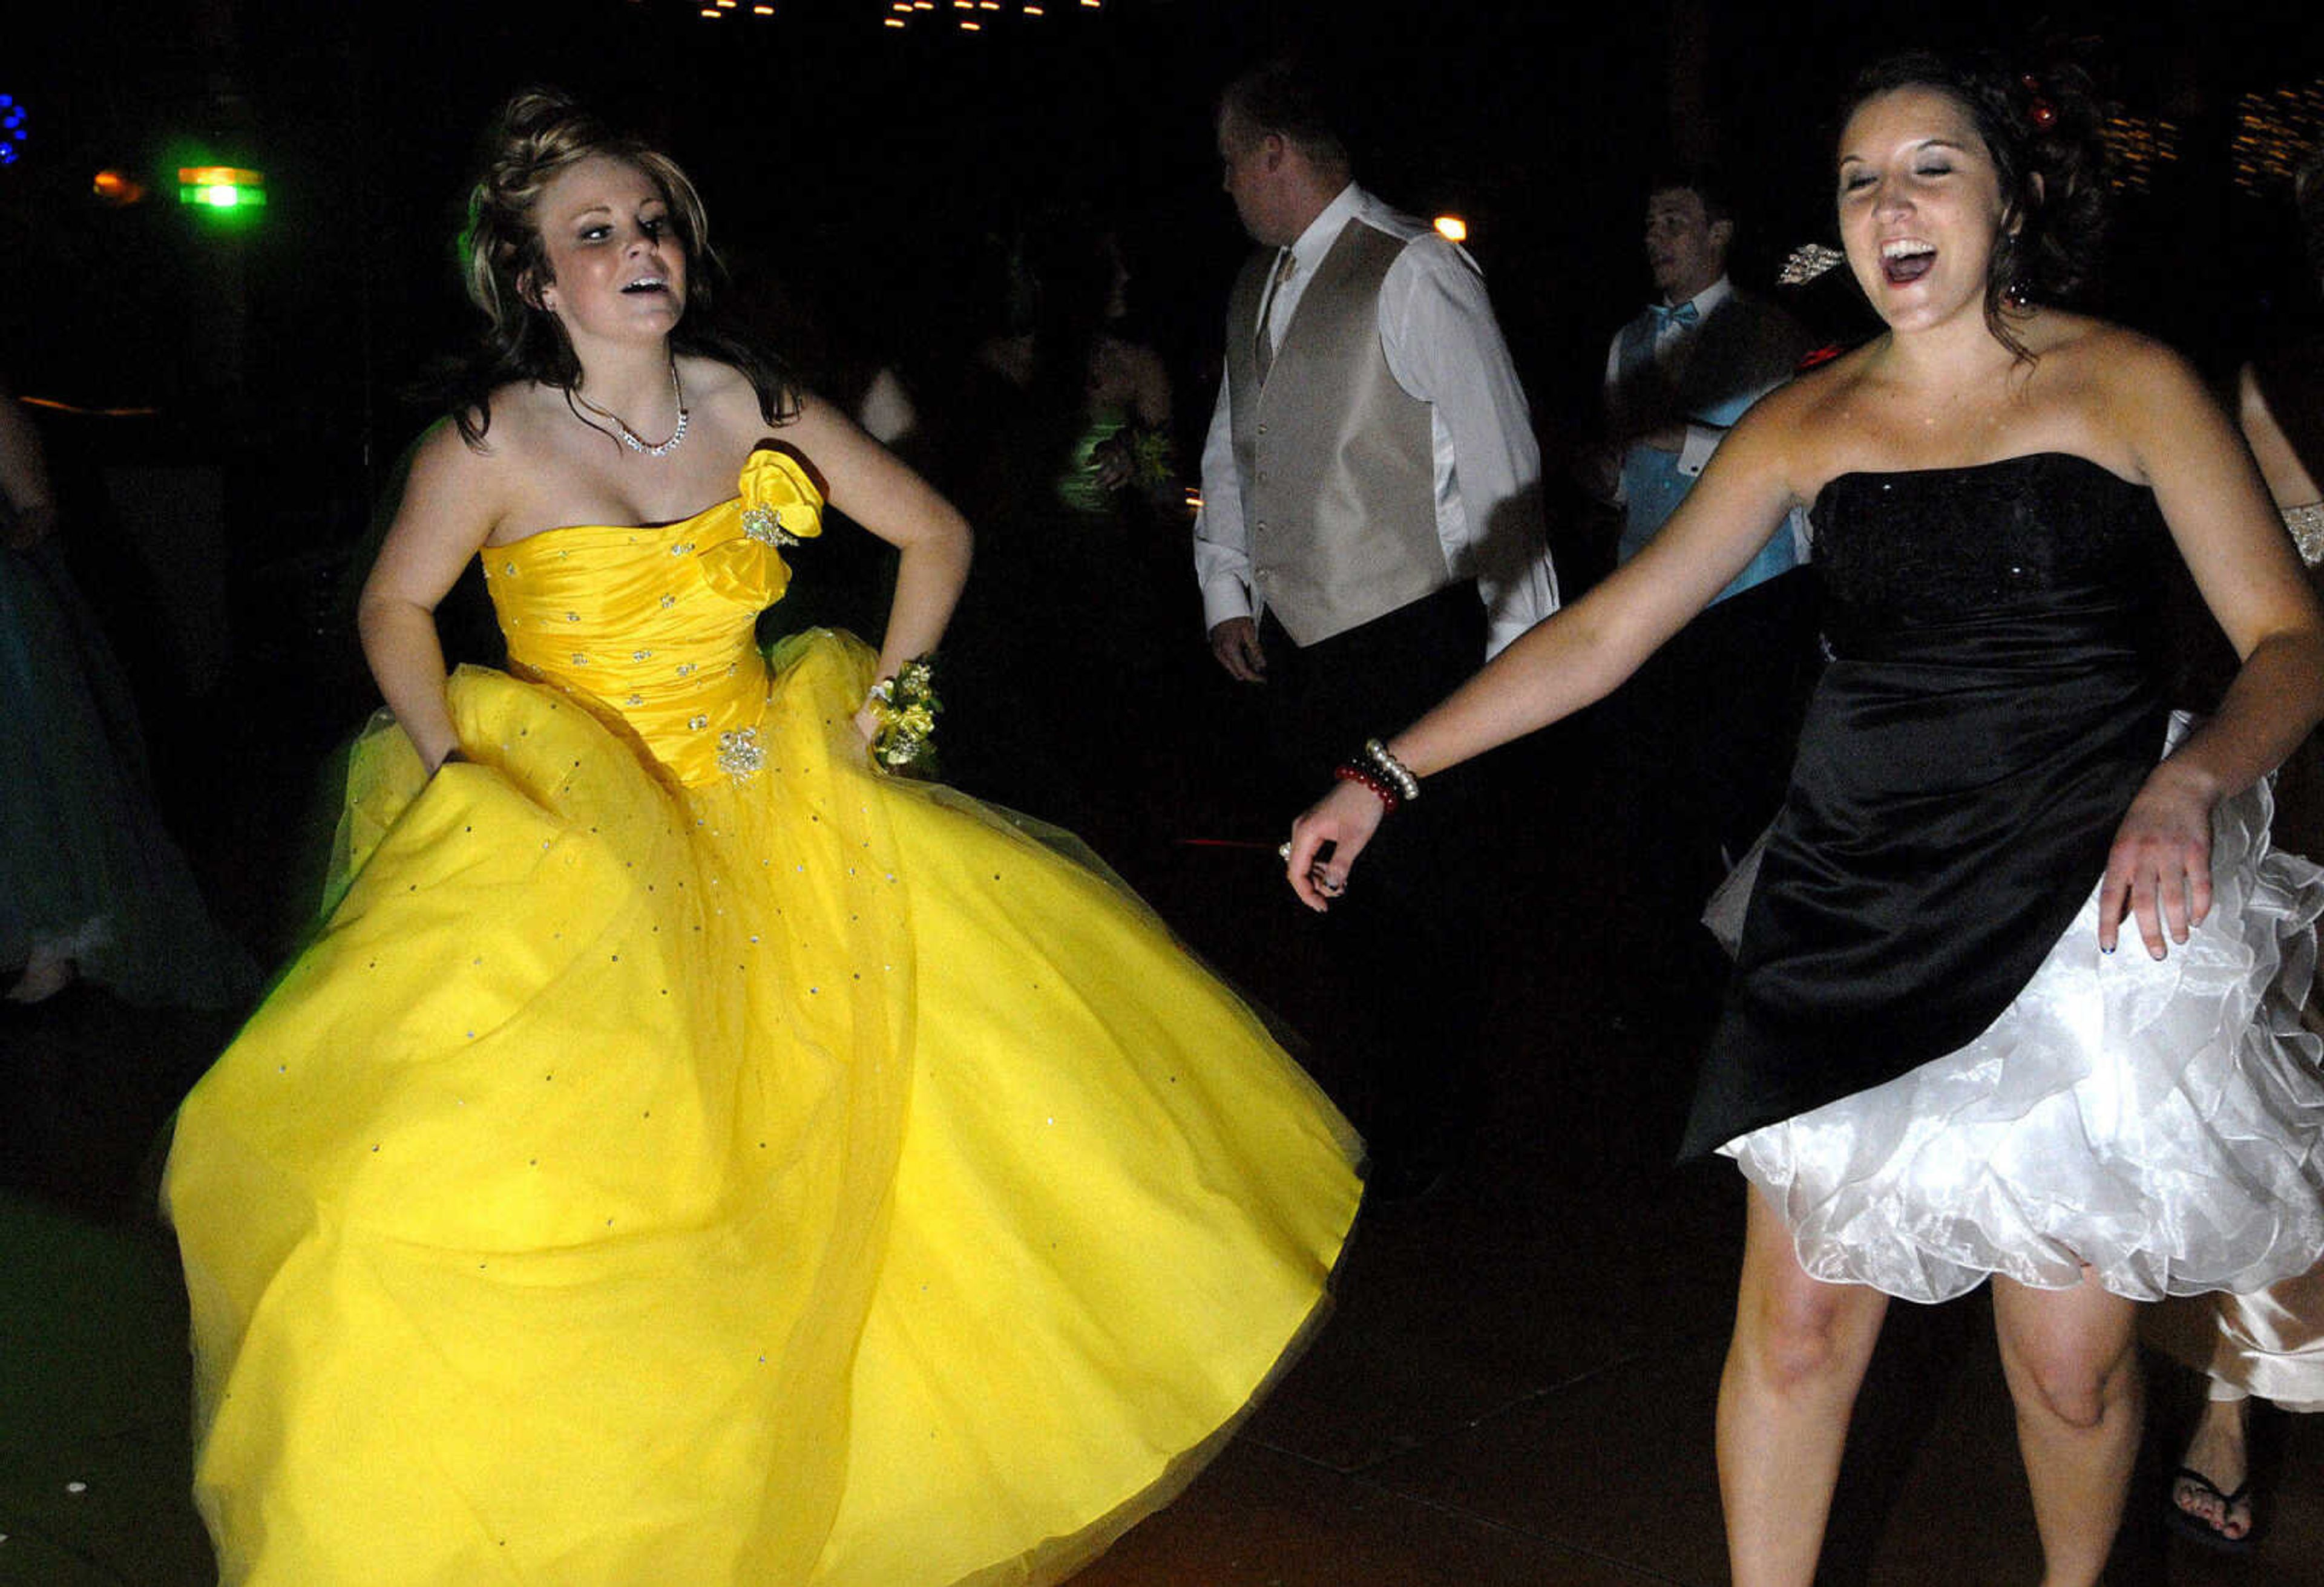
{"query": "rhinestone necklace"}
pixel 629 437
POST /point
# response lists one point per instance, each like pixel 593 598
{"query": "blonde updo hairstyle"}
pixel 540 134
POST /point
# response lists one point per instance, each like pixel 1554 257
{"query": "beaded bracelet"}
pixel 1380 788
pixel 1393 769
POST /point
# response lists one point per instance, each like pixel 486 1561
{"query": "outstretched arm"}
pixel 1583 652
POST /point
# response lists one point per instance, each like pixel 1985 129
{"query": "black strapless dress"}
pixel 1925 1058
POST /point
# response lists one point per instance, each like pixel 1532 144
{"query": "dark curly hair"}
pixel 539 136
pixel 2041 133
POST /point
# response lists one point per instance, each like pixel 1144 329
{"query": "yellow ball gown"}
pixel 688 1155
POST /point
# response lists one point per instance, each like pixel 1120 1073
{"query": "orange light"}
pixel 219 176
pixel 762 11
pixel 967 26
pixel 115 189
pixel 892 21
pixel 1452 228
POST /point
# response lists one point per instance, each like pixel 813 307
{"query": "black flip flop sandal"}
pixel 2194 1527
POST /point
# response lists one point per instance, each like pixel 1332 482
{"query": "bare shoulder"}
pixel 1802 417
pixel 712 383
pixel 817 421
pixel 444 458
pixel 2127 370
pixel 1135 358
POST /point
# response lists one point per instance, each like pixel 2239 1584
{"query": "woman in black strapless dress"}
pixel 1933 1067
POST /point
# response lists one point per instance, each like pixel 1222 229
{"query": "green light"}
pixel 221 188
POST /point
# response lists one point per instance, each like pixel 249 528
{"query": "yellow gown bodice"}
pixel 655 626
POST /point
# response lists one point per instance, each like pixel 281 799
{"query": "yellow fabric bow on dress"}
pixel 780 507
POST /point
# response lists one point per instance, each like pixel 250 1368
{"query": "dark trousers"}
pixel 1406 946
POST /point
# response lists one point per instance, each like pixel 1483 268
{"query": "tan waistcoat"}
pixel 1337 462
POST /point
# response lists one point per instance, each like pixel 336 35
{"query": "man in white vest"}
pixel 1370 534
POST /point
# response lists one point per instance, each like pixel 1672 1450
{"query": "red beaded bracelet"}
pixel 1379 787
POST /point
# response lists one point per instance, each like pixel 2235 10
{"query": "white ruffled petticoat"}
pixel 2159 1121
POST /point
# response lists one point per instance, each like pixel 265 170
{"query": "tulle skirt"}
pixel 2160 1122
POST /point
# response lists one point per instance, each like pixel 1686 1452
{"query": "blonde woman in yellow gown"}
pixel 687 1153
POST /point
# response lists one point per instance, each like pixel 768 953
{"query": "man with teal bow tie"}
pixel 1700 739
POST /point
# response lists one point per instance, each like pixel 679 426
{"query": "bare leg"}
pixel 2073 1373
pixel 1793 1370
pixel 2218 1451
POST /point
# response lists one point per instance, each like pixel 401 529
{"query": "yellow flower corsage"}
pixel 904 707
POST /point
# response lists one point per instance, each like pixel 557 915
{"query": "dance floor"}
pixel 1518 1386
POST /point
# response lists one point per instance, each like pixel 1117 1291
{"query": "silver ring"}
pixel 1284 853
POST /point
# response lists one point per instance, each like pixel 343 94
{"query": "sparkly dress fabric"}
pixel 1926 1063
pixel 690 1155
pixel 87 870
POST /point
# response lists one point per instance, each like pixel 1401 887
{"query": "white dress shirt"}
pixel 1444 348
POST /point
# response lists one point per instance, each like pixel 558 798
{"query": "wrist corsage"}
pixel 904 707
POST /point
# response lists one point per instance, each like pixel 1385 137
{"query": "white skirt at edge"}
pixel 2161 1122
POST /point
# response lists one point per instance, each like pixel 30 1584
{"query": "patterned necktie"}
pixel 1263 345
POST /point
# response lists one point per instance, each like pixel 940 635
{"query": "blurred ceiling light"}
pixel 221 187
pixel 115 189
pixel 1452 228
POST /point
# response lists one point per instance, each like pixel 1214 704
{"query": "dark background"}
pixel 868 178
